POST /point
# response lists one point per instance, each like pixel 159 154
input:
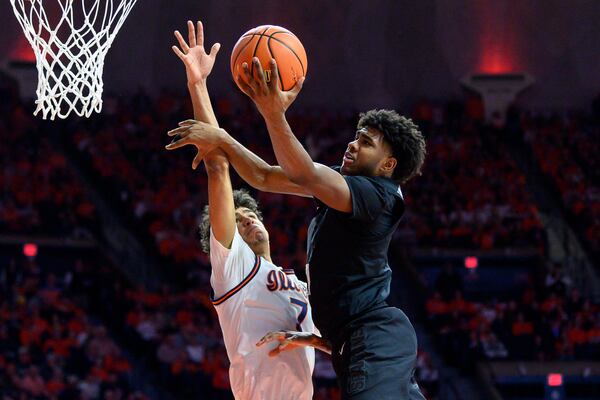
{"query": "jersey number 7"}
pixel 303 310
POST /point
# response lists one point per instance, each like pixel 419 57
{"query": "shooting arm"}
pixel 258 173
pixel 316 179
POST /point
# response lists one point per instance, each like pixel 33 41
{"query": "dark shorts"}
pixel 375 355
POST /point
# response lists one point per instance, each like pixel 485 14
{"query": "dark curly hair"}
pixel 241 198
pixel 405 138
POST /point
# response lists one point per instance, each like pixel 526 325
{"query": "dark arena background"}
pixel 104 290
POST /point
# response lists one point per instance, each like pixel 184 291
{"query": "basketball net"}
pixel 70 50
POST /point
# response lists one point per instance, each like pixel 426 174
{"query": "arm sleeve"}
pixel 229 266
pixel 368 198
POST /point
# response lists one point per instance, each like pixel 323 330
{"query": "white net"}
pixel 70 39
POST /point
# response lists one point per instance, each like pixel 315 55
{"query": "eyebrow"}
pixel 247 212
pixel 364 133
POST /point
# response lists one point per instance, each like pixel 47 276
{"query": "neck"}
pixel 265 252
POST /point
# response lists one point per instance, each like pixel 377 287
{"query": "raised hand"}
pixel 198 64
pixel 204 136
pixel 268 96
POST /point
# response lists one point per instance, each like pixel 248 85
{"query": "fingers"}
pixel 180 143
pixel 271 336
pixel 298 86
pixel 262 82
pixel 191 34
pixel 214 50
pixel 283 346
pixel 249 78
pixel 200 34
pixel 189 122
pixel 198 159
pixel 183 126
pixel 182 131
pixel 244 86
pixel 178 53
pixel 274 82
pixel 184 47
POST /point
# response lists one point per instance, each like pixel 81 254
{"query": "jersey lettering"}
pixel 278 280
pixel 303 310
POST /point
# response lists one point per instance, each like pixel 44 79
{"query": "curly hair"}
pixel 241 198
pixel 405 138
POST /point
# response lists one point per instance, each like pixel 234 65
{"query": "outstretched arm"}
pixel 198 65
pixel 320 181
pixel 253 169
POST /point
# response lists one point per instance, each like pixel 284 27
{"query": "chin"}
pixel 260 237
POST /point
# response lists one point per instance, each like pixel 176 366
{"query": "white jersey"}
pixel 253 297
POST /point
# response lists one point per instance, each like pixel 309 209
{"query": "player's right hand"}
pixel 288 340
pixel 198 64
pixel 204 136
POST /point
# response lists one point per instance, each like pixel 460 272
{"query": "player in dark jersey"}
pixel 360 204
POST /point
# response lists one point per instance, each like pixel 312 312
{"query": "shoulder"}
pixel 383 187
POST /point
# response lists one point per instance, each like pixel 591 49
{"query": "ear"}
pixel 389 165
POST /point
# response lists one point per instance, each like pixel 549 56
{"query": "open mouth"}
pixel 348 158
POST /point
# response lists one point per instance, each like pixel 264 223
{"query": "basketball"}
pixel 267 42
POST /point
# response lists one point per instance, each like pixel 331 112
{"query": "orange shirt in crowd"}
pixel 522 328
pixel 436 307
pixel 577 335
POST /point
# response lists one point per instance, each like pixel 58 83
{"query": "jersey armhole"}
pixel 239 286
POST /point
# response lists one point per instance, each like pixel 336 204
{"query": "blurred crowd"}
pixel 448 206
pixel 50 347
pixel 566 148
pixel 40 194
pixel 550 320
pixel 471 196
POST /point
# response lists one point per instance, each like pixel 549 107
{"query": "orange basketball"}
pixel 267 42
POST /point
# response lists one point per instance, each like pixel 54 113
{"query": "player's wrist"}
pixel 199 83
pixel 273 115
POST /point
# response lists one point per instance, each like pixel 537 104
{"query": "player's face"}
pixel 366 154
pixel 251 228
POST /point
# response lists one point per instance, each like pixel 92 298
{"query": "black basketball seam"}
pixel 256 49
pixel 273 56
pixel 240 52
pixel 262 34
pixel 293 52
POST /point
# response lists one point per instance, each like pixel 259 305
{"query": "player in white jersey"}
pixel 251 294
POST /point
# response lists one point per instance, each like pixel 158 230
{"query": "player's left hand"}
pixel 288 340
pixel 202 135
pixel 268 96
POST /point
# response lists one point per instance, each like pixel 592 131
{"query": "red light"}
pixel 495 62
pixel 471 262
pixel 30 250
pixel 555 379
pixel 22 51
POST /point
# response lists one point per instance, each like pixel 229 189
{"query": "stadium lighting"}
pixel 471 262
pixel 555 380
pixel 30 250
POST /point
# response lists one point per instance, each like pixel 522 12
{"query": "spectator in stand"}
pixel 44 335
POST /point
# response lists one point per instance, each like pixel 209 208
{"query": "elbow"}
pixel 299 180
pixel 302 178
pixel 261 179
